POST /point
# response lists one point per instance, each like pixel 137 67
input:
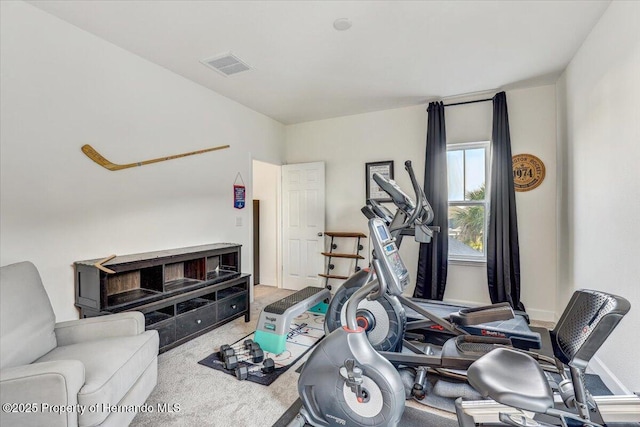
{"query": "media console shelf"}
pixel 182 292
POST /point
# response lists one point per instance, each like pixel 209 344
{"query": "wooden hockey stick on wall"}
pixel 97 157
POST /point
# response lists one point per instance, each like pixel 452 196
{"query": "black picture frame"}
pixel 374 192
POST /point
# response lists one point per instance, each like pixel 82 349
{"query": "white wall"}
pixel 599 95
pixel 347 143
pixel 266 184
pixel 62 88
pixel 532 120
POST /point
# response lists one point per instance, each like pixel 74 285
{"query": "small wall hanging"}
pixel 528 172
pixel 239 192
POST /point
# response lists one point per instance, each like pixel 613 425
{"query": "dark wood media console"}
pixel 182 292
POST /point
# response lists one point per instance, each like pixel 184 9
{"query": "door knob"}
pixel 320 234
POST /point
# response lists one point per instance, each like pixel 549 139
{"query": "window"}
pixel 467 166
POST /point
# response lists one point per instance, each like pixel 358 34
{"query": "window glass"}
pixel 474 171
pixel 468 205
pixel 455 168
pixel 466 231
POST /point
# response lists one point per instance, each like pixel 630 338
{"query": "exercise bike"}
pixel 345 381
pixel 521 393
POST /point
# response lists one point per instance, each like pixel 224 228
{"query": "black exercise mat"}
pixel 214 361
pixel 410 418
pixel 305 333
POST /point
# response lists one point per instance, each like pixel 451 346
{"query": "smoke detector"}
pixel 226 64
pixel 342 24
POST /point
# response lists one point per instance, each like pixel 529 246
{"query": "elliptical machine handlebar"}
pixel 420 213
pixel 399 197
pixel 423 204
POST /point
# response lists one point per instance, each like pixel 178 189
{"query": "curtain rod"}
pixel 468 102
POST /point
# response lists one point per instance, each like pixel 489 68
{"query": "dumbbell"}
pixel 229 350
pixel 254 346
pixel 255 356
pixel 238 346
pixel 242 372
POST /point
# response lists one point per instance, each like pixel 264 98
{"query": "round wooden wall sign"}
pixel 528 172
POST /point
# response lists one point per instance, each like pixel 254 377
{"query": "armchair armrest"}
pixel 95 328
pixel 30 393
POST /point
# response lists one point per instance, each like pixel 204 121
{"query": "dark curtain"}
pixel 432 263
pixel 503 252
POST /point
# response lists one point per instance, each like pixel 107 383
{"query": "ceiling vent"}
pixel 226 64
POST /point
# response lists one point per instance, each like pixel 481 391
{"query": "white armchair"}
pixel 85 372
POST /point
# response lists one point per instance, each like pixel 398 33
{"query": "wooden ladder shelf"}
pixel 331 254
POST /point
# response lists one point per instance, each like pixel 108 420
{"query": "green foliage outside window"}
pixel 469 220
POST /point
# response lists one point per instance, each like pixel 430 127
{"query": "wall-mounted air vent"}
pixel 226 64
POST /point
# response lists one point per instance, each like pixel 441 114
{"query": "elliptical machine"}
pixel 389 319
pixel 345 381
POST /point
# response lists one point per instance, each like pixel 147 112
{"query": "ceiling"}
pixel 396 54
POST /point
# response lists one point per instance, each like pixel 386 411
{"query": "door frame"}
pixel 277 222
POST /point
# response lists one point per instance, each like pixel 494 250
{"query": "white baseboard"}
pixel 608 378
pixel 542 315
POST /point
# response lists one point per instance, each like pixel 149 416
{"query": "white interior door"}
pixel 303 198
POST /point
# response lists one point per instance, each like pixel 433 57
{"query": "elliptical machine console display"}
pixel 387 252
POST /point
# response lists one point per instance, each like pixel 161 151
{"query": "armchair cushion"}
pixel 56 383
pixel 96 328
pixel 25 334
pixel 112 367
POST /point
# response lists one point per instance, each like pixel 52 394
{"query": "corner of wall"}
pixel 608 378
pixel 563 239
